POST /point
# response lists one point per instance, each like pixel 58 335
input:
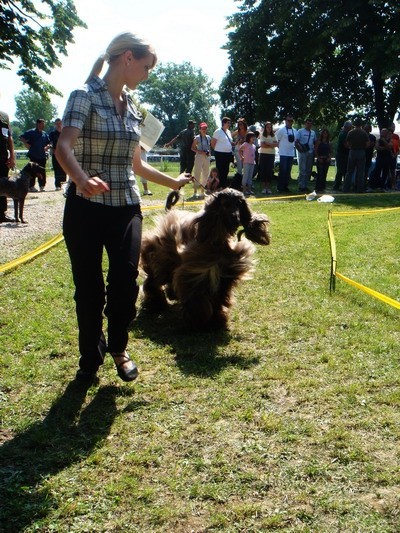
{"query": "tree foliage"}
pixel 36 34
pixel 30 106
pixel 319 58
pixel 176 93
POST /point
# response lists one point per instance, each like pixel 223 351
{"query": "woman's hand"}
pixel 182 180
pixel 91 186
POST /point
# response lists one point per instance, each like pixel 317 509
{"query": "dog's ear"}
pixel 244 212
pixel 257 230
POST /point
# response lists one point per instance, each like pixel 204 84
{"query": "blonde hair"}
pixel 120 44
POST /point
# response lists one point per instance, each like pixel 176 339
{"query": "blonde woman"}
pixel 99 150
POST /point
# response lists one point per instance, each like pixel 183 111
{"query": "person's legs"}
pixel 239 163
pixel 59 174
pixel 197 172
pixel 189 160
pixel 320 182
pixel 42 178
pixel 360 171
pixel 262 169
pixel 351 166
pixel 222 162
pixel 247 172
pixel 4 170
pixel 205 169
pixel 285 167
pixel 122 242
pixel 83 228
pixel 182 161
pixel 341 167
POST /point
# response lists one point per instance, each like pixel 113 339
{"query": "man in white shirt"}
pixel 305 144
pixel 285 137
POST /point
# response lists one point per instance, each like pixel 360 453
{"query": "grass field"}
pixel 289 421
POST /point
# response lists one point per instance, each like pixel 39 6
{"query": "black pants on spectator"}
pixel 186 157
pixel 266 168
pixel 222 162
pixel 3 199
pixel 59 174
pixel 89 228
pixel 42 179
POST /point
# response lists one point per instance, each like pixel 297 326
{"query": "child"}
pixel 247 153
pixel 212 181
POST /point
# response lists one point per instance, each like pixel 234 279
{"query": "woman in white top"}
pixel 221 143
pixel 266 159
pixel 201 147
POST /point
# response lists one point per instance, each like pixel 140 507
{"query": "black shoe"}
pixel 125 375
pixel 4 218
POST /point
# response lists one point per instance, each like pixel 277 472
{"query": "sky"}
pixel 179 30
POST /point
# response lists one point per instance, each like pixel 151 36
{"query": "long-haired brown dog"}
pixel 197 259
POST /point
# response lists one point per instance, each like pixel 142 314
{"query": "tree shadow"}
pixel 196 352
pixel 67 435
pixel 368 200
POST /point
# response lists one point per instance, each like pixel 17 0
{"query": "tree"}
pixel 30 106
pixel 177 93
pixel 326 59
pixel 36 36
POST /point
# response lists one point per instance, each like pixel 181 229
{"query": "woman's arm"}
pixel 65 155
pixel 148 172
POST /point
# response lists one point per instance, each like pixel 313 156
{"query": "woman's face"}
pixel 137 70
pixel 203 131
pixel 268 127
pixel 241 126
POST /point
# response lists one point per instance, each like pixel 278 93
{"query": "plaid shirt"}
pixel 106 143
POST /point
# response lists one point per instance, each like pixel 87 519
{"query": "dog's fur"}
pixel 196 258
pixel 17 189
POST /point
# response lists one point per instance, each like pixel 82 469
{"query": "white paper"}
pixel 151 128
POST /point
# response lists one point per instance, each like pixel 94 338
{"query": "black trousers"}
pixel 4 170
pixel 222 162
pixel 341 169
pixel 186 159
pixel 59 174
pixel 266 168
pixel 42 180
pixel 89 228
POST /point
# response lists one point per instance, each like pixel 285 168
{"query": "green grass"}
pixel 289 421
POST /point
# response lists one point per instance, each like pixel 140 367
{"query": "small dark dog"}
pixel 17 189
pixel 197 260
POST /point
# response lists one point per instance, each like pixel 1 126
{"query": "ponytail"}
pixel 120 44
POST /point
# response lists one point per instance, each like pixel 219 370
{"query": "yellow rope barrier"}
pixel 335 274
pixel 371 292
pixel 31 255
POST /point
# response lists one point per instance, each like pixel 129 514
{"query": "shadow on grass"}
pixel 196 353
pixel 67 435
pixel 368 200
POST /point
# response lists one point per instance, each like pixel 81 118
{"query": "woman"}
pixel 201 147
pixel 239 137
pixel 266 158
pixel 221 143
pixel 323 153
pixel 98 147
